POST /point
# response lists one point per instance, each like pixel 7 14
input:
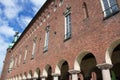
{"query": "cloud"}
pixel 37 4
pixel 23 21
pixel 0 11
pixel 7 31
pixel 3 46
pixel 13 12
pixel 22 12
pixel 11 8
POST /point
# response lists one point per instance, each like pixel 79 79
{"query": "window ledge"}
pixel 112 14
pixel 32 58
pixel 24 62
pixel 45 50
pixel 67 38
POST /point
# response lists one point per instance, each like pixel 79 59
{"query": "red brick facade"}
pixel 90 34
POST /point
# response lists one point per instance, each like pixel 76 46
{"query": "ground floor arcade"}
pixel 85 68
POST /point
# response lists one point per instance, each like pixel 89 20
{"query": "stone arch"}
pixel 113 58
pixel 110 50
pixel 30 75
pixel 58 66
pixel 24 77
pixel 37 73
pixel 86 64
pixel 20 77
pixel 16 77
pixel 62 69
pixel 60 2
pixel 48 72
pixel 79 59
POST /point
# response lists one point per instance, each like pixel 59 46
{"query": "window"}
pixel 46 39
pixel 15 62
pixel 67 24
pixel 55 8
pixel 85 10
pixel 48 15
pixel 19 58
pixel 11 65
pixel 34 46
pixel 25 55
pixel 109 7
pixel 61 2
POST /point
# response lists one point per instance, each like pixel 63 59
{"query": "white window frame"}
pixel 46 39
pixel 34 46
pixel 11 65
pixel 15 62
pixel 61 2
pixel 68 25
pixel 109 4
pixel 20 56
pixel 26 51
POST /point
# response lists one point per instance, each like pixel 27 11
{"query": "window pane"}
pixel 106 5
pixel 115 8
pixel 68 26
pixel 114 5
pixel 46 39
pixel 107 10
pixel 112 2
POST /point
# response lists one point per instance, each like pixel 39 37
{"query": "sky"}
pixel 15 15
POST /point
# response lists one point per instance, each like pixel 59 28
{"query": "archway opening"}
pixel 38 73
pixel 30 75
pixel 89 69
pixel 49 73
pixel 115 58
pixel 64 71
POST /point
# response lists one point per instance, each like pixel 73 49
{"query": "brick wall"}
pixel 91 34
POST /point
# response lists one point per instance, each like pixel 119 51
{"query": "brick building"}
pixel 68 40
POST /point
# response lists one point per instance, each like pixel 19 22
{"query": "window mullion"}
pixel 110 6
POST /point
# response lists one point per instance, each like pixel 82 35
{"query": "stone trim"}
pixel 55 74
pixel 74 71
pixel 43 76
pixel 104 66
pixel 34 77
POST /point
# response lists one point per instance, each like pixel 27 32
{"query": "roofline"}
pixel 32 21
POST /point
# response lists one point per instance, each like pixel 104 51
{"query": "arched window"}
pixel 46 38
pixel 85 10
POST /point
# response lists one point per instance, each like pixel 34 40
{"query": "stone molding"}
pixel 43 76
pixel 74 71
pixel 55 74
pixel 104 66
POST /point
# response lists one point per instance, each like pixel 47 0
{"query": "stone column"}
pixel 74 74
pixel 105 70
pixel 56 76
pixel 43 77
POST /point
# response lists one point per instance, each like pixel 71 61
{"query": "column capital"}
pixel 34 77
pixel 43 76
pixel 72 71
pixel 55 74
pixel 104 66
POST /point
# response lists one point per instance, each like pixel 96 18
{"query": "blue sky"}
pixel 15 16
